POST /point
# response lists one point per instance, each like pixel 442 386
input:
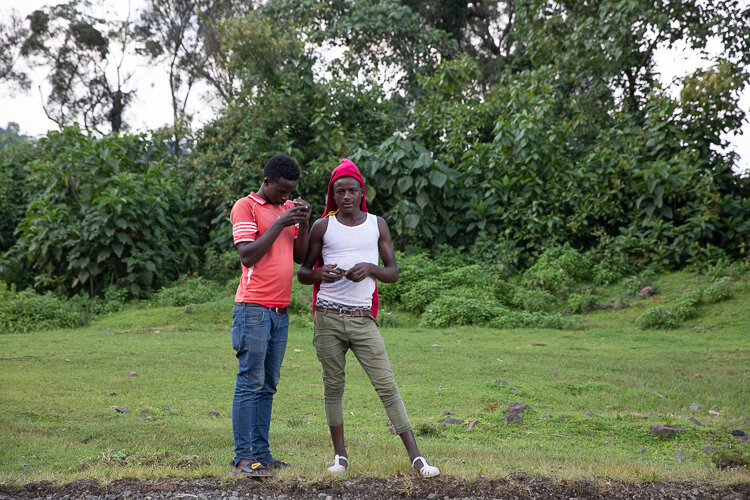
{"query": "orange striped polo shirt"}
pixel 269 281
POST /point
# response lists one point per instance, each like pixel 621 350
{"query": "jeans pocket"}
pixel 254 317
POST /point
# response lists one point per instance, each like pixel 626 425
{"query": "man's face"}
pixel 347 193
pixel 278 191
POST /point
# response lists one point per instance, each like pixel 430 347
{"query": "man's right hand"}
pixel 295 215
pixel 329 274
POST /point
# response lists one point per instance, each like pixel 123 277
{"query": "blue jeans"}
pixel 259 338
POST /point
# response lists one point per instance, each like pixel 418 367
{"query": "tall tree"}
pixel 85 56
pixel 182 34
pixel 383 39
pixel 12 35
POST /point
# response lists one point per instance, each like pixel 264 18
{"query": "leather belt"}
pixel 277 310
pixel 354 313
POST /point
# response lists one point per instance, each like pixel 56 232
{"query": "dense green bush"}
pixel 659 317
pixel 104 212
pixel 524 319
pixel 221 266
pixel 532 300
pixel 420 294
pixel 581 302
pixel 686 305
pixel 15 158
pixel 189 290
pixel 461 307
pixel 28 311
pixel 413 268
pixel 557 270
pixel 719 290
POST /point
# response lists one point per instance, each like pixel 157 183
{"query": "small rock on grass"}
pixel 518 407
pixel 500 382
pixel 738 432
pixel 694 421
pixel 709 449
pixel 132 374
pixel 471 425
pixel 513 418
pixel 743 438
pixel 122 409
pixel 665 430
pixel 451 421
pixel 588 414
pixel 695 407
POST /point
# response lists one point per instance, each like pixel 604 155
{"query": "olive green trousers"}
pixel 334 336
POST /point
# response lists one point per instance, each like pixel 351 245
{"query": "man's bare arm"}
pixel 306 274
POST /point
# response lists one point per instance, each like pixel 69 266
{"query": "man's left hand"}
pixel 359 271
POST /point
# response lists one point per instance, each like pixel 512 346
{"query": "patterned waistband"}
pixel 343 309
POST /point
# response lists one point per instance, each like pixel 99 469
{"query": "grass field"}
pixel 59 391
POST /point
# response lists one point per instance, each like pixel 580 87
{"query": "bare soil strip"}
pixel 518 487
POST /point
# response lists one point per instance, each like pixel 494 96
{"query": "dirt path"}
pixel 371 489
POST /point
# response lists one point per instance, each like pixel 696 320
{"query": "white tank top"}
pixel 346 246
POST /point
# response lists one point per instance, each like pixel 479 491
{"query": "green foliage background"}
pixel 558 135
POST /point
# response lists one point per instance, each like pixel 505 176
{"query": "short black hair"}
pixel 281 166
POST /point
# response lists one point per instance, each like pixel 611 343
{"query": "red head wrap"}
pixel 346 168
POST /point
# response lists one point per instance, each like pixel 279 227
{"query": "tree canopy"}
pixel 505 126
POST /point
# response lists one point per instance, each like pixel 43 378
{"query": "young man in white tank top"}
pixel 349 241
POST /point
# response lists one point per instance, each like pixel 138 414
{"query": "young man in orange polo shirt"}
pixel 270 232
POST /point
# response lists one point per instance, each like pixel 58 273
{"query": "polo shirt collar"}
pixel 257 198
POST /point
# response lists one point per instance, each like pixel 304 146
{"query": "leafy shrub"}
pixel 412 269
pixel 467 276
pixel 420 294
pixel 28 311
pixel 113 300
pixel 686 305
pixel 581 302
pixel 532 300
pixel 500 255
pixel 719 290
pixel 659 317
pixel 14 195
pixel 635 284
pixel 504 291
pixel 189 290
pixel 105 211
pixel 524 319
pixel 459 308
pixel 734 270
pixel 557 270
pixel 221 266
pixel 604 274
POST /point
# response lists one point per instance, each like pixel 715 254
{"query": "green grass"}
pixel 59 390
